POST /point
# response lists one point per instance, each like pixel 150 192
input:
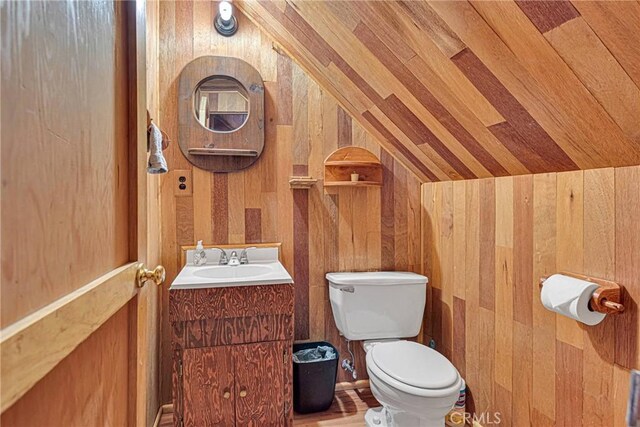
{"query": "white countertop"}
pixel 263 268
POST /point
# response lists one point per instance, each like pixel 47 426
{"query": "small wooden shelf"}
pixel 241 152
pixel 340 164
pixel 352 184
pixel 301 182
pixel 352 163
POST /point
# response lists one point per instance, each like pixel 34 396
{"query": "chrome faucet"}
pixel 243 255
pixel 224 258
pixel 233 260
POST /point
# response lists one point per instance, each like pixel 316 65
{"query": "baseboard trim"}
pixel 164 409
pixel 352 385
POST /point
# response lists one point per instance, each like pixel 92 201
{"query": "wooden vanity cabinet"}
pixel 232 356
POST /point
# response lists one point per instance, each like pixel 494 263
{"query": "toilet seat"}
pixel 414 368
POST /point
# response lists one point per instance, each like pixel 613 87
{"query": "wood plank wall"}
pixel 320 231
pixel 462 90
pixel 64 193
pixel 486 244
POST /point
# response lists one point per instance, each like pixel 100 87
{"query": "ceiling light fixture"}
pixel 226 24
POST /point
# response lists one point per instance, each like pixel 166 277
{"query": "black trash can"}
pixel 314 383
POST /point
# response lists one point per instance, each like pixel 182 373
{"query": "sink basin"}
pixel 264 268
pixel 237 272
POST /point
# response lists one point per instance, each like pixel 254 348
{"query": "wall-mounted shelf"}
pixel 302 182
pixel 340 164
pixel 222 152
pixel 352 184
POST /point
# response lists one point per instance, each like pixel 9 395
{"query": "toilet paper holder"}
pixel 606 299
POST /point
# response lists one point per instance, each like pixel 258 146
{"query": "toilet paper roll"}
pixel 570 297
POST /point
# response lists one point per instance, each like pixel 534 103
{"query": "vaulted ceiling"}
pixel 459 90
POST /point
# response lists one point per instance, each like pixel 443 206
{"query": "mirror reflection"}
pixel 221 104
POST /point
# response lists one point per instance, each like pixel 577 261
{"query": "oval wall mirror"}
pixel 220 113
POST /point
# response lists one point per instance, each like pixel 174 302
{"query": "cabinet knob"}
pixel 243 392
pixel 226 394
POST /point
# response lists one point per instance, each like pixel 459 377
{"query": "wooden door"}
pixel 259 384
pixel 207 378
pixel 144 225
pixel 74 217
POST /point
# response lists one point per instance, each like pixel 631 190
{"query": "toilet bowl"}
pixel 416 385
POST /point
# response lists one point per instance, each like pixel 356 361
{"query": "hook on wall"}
pixel 165 138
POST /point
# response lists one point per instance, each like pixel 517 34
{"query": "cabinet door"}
pixel 259 385
pixel 207 378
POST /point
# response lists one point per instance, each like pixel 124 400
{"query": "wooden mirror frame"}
pixel 193 135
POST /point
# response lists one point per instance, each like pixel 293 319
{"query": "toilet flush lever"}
pixel 349 289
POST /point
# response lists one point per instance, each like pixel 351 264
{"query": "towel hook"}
pixel 165 138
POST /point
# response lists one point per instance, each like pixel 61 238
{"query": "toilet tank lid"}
pixel 373 278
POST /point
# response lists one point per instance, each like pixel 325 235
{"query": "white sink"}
pixel 237 272
pixel 263 269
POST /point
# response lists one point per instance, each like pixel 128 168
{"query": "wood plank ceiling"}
pixel 462 90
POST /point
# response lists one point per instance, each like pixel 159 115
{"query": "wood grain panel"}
pixel 253 225
pixel 627 220
pixel 547 15
pixel 207 374
pixel 569 243
pixel 82 208
pixel 503 309
pixel 51 121
pixel 320 231
pixel 560 85
pixel 230 331
pixel 544 321
pixel 220 208
pixel 260 373
pixel 301 262
pixel 538 144
pixel 388 136
pixel 599 261
pixel 94 377
pixel 523 374
pixel 614 22
pixel 459 336
pixel 69 320
pixel 520 359
pixel 420 134
pixel 523 283
pixel 568 384
pixel 344 128
pixel 487 218
pixel 369 53
pixel 195 304
pixel 426 98
pixel 600 72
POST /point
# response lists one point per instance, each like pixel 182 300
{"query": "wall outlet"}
pixel 182 183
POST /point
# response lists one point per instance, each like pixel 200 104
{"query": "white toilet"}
pixel 416 385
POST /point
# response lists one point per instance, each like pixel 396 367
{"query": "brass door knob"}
pixel 243 392
pixel 226 394
pixel 158 275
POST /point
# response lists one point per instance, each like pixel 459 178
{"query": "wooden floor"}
pixel 348 409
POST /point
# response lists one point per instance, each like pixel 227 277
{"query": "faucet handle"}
pixel 243 255
pixel 224 258
pixel 233 259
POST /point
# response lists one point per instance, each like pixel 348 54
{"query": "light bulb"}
pixel 225 10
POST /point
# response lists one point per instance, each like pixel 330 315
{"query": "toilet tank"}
pixel 376 305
